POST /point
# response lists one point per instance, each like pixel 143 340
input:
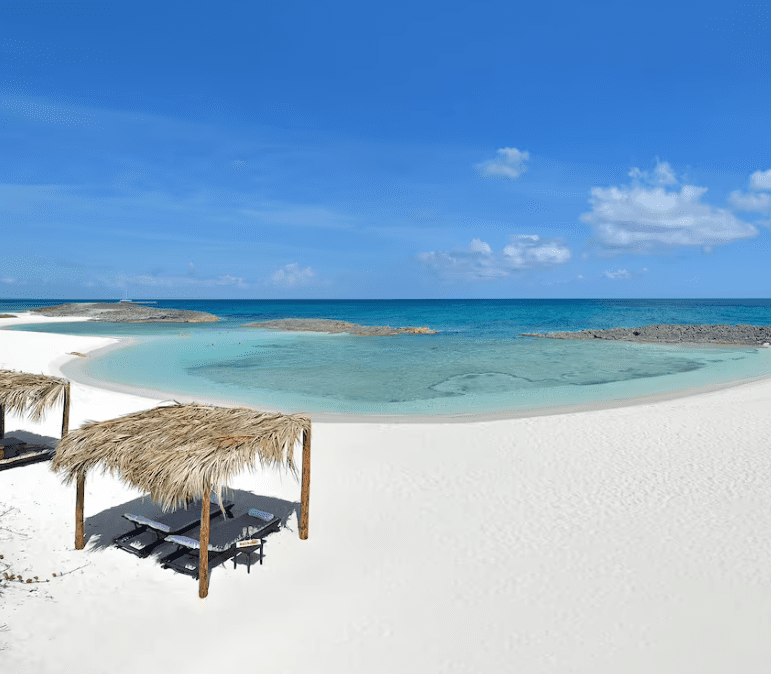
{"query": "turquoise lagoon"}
pixel 479 363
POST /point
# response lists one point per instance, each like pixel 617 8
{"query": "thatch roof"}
pixel 32 393
pixel 178 452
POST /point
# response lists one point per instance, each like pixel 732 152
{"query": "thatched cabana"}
pixel 32 394
pixel 178 453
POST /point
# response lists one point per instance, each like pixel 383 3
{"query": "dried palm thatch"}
pixel 31 393
pixel 178 452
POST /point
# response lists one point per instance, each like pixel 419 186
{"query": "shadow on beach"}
pixel 105 526
pixel 33 438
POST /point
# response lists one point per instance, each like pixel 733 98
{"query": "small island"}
pixel 126 312
pixel 334 327
pixel 750 335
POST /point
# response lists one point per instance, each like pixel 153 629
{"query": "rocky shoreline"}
pixel 126 312
pixel 750 335
pixel 334 327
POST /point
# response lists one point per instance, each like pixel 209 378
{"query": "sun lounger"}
pixel 14 453
pixel 227 538
pixel 149 533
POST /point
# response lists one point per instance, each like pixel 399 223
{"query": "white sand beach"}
pixel 620 541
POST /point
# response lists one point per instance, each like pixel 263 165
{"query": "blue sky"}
pixel 280 149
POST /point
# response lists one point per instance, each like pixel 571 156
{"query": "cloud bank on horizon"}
pixel 238 153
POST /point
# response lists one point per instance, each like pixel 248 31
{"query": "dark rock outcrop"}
pixel 753 335
pixel 332 326
pixel 126 312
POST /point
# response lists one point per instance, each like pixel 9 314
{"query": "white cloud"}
pixel 663 174
pixel 291 276
pixel 527 251
pixel 643 218
pixel 480 263
pixel 159 281
pixel 470 265
pixel 228 280
pixel 8 279
pixel 478 246
pixel 509 164
pixel 618 274
pixel 186 281
pixel 761 180
pixel 758 202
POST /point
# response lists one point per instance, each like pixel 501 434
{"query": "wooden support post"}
pixel 2 422
pixel 80 531
pixel 203 558
pixel 305 489
pixel 66 413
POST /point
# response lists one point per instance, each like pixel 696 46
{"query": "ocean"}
pixel 478 363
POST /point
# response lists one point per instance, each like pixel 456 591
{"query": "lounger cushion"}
pixel 261 514
pixel 184 540
pixel 146 521
pixel 225 534
pixel 177 520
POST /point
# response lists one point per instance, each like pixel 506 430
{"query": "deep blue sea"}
pixel 478 363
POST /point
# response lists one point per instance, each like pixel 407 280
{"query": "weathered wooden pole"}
pixel 66 413
pixel 203 558
pixel 2 422
pixel 305 489
pixel 80 531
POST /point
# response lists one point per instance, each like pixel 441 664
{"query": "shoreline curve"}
pixel 74 366
pixel 71 367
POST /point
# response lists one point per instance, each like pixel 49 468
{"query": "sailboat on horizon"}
pixel 126 300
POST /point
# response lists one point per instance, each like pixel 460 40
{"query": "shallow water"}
pixel 478 363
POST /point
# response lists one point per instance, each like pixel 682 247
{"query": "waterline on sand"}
pixel 731 367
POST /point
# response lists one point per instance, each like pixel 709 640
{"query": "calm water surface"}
pixel 479 362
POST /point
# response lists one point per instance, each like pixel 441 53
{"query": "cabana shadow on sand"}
pixel 183 452
pixel 33 394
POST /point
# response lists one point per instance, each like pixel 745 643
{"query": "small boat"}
pixel 126 300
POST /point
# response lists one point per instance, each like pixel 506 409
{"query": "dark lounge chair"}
pixel 14 453
pixel 227 538
pixel 149 533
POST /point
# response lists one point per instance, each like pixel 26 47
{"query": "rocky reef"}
pixel 332 326
pixel 751 335
pixel 126 312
